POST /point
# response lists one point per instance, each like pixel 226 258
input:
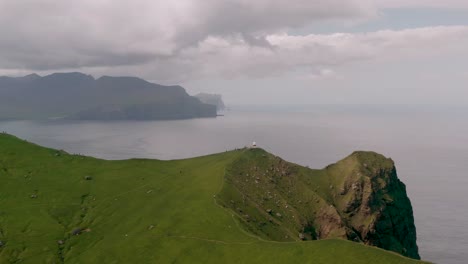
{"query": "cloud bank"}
pixel 174 41
pixel 446 4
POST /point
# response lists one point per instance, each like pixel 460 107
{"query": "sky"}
pixel 258 52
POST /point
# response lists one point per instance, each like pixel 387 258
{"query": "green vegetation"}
pixel 62 208
pixel 360 198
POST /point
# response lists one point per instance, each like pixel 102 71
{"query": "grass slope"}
pixel 140 211
pixel 359 198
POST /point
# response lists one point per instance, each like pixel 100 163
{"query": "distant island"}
pixel 240 206
pixel 80 96
pixel 212 99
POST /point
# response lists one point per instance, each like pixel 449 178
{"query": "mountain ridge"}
pixel 79 96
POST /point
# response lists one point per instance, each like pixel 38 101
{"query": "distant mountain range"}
pixel 80 96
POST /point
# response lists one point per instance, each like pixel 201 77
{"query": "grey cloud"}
pixel 256 41
pixel 265 16
pixel 174 41
pixel 446 4
pixel 314 56
pixel 55 34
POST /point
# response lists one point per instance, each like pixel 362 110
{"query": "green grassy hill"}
pixel 359 198
pixel 61 208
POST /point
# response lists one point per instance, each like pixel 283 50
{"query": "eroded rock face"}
pixel 374 203
pixel 359 198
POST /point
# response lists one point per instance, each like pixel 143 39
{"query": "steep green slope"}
pixel 61 208
pixel 359 198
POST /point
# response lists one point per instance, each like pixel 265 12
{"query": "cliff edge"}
pixel 359 198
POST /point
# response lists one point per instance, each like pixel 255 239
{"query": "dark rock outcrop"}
pixel 359 198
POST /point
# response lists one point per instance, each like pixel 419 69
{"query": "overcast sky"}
pixel 252 51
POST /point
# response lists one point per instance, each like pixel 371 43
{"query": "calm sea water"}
pixel 429 146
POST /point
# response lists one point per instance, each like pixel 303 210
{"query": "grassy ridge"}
pixel 141 211
pixel 359 198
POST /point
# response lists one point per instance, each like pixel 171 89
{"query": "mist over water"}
pixel 428 144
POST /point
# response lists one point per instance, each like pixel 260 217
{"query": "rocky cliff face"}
pixel 359 198
pixel 372 202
